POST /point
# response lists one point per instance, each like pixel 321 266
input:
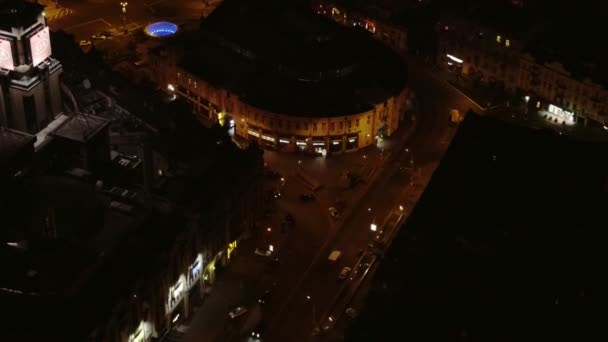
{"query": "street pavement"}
pixel 295 319
pixel 84 18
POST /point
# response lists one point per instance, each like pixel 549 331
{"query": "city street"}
pixel 294 319
pixel 89 17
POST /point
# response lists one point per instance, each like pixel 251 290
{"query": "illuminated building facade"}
pixel 29 79
pixel 504 56
pixel 310 86
pixel 376 21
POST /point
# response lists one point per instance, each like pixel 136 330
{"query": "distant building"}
pixel 107 236
pixel 30 95
pixel 512 45
pixel 375 17
pixel 286 78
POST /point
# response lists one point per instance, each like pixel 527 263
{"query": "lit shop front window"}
pixel 231 248
pixel 562 115
pixel 142 333
pixel 194 271
pixel 176 292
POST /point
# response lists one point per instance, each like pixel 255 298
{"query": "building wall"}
pixel 393 36
pixel 281 131
pixel 488 57
pixel 208 238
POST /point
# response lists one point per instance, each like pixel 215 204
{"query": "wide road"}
pixel 296 316
pixel 84 18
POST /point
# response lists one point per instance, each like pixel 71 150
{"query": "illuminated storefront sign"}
pixel 300 143
pixel 284 141
pixel 231 248
pixel 176 292
pixel 194 271
pixel 254 133
pixel 336 142
pixel 142 333
pixel 40 45
pixel 6 55
pixel 352 140
pixel 318 143
pixel 564 115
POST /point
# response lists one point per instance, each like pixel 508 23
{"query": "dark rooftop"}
pixel 18 13
pixel 292 61
pixel 12 142
pixel 80 127
pixel 502 246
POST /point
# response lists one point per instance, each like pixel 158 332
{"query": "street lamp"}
pixel 373 227
pixel 124 15
pixel 315 328
pixel 527 98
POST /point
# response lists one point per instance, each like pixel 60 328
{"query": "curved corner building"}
pixel 286 78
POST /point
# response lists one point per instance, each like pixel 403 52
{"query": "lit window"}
pixel 194 84
pixel 507 43
pixel 498 39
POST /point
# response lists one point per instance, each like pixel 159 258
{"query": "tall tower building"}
pixel 30 93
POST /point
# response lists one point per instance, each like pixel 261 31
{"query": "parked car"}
pixel 344 273
pixel 262 252
pixel 237 312
pixel 334 212
pixel 264 297
pixel 308 196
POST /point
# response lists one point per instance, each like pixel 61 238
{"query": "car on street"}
pixel 85 43
pixel 258 332
pixel 344 273
pixel 276 194
pixel 261 252
pixel 334 212
pixel 237 312
pixel 308 196
pixel 264 297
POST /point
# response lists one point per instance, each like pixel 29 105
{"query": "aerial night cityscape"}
pixel 303 170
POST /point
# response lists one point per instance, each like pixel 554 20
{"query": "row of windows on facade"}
pixel 298 125
pixel 350 124
pixel 549 87
pixel 500 40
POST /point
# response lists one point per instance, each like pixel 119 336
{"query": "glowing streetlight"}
pixel 527 98
pixel 401 207
pixel 124 6
pixel 373 227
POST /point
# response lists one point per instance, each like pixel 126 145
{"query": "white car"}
pixel 261 252
pixel 334 212
pixel 238 311
pixel 344 273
